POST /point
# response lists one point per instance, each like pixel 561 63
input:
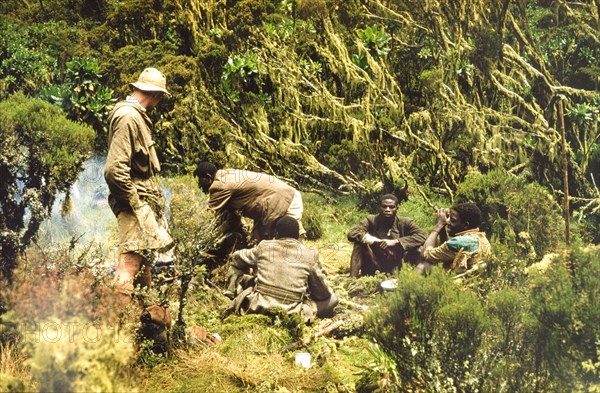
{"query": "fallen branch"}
pixel 307 340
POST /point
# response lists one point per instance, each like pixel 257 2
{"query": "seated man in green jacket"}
pixel 286 275
pixel 467 246
pixel 382 241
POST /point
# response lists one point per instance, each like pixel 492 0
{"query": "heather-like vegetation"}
pixel 436 101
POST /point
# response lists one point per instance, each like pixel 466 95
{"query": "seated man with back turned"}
pixel 287 275
pixel 467 246
pixel 261 197
pixel 382 241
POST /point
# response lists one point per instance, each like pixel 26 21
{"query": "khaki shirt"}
pixel 258 196
pixel 131 165
pixel 288 276
pixel 461 252
pixel 131 162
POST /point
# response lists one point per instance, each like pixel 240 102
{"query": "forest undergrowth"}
pixel 435 101
pixel 526 323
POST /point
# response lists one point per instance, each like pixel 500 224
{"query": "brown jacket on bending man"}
pixel 135 195
pixel 286 275
pixel 382 241
pixel 261 197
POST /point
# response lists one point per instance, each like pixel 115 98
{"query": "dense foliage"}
pixel 42 154
pixel 436 101
pixel 521 323
pixel 331 94
pixel 539 336
pixel 521 215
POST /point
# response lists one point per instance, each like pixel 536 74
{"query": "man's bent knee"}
pixel 424 268
pixel 325 307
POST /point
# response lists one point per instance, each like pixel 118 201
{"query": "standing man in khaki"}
pixel 135 196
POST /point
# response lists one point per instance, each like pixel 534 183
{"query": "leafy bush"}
pixel 23 66
pixel 541 336
pixel 375 39
pixel 82 96
pixel 244 15
pixel 312 216
pixel 563 295
pixel 241 73
pixel 419 210
pixel 34 55
pixel 422 326
pixel 135 21
pixel 585 118
pixel 62 306
pixel 75 355
pixel 42 155
pixel 11 384
pixel 197 235
pixel 345 157
pixel 507 357
pixel 513 209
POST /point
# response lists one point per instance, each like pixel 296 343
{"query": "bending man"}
pixel 258 196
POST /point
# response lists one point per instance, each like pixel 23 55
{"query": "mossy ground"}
pixel 252 355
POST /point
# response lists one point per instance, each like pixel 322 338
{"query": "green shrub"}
pixel 83 97
pixel 514 208
pixel 553 299
pixel 346 156
pixel 312 218
pixel 545 333
pixel 132 22
pixel 11 384
pixel 23 66
pixel 34 55
pixel 430 327
pixel 539 335
pixel 244 15
pixel 507 356
pixel 75 356
pixel 375 39
pixel 459 330
pixel 379 375
pixel 241 73
pixel 419 210
pixel 196 234
pixel 564 302
pixel 43 153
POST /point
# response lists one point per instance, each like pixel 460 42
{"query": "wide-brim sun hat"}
pixel 151 80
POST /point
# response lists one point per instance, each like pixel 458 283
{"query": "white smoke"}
pixel 87 217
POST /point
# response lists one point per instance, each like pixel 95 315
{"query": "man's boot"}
pixel 155 322
pixel 159 315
